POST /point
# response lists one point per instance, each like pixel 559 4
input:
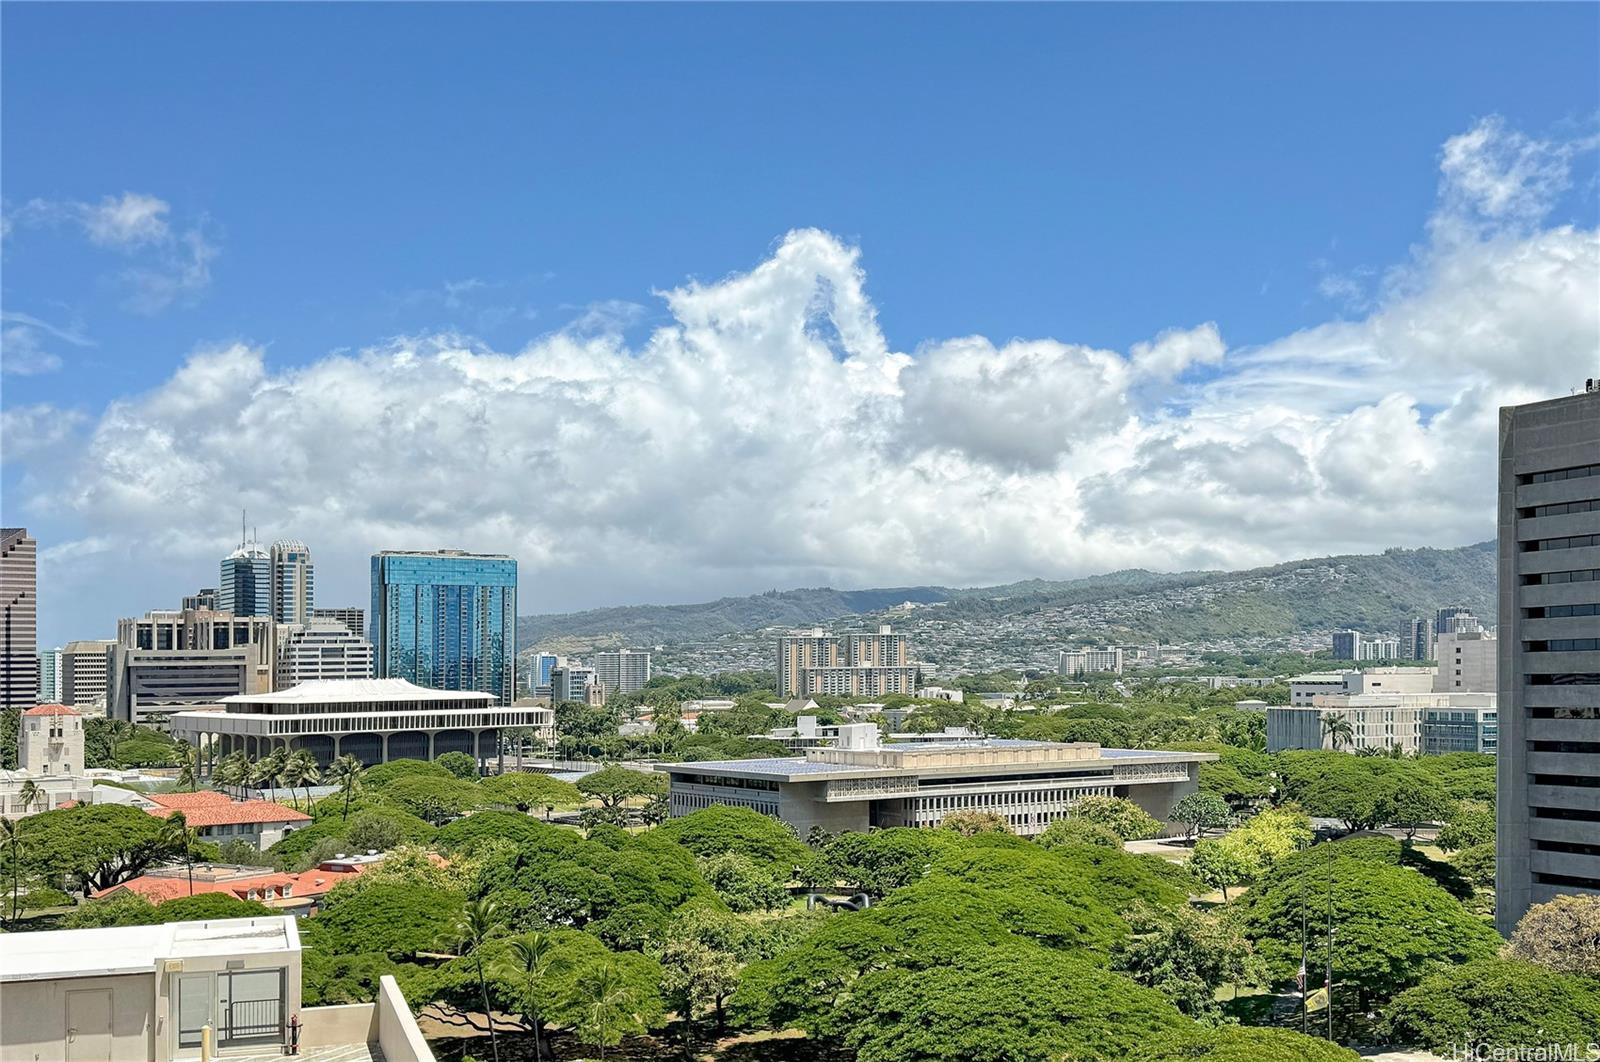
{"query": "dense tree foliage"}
pixel 95 846
pixel 1232 1043
pixel 718 829
pixel 1119 815
pixel 1494 1002
pixel 1562 934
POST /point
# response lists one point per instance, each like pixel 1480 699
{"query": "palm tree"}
pixel 11 840
pixel 232 769
pixel 30 794
pixel 475 926
pixel 300 769
pixel 266 771
pixel 346 772
pixel 531 957
pixel 175 833
pixel 605 998
pixel 189 768
pixel 1337 729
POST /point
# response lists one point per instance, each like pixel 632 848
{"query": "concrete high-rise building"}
pixel 1347 645
pixel 1468 662
pixel 1548 841
pixel 543 664
pixel 293 582
pixel 203 598
pixel 446 619
pixel 1454 620
pixel 323 649
pixel 852 665
pixel 573 682
pixel 85 667
pixel 1419 644
pixel 19 619
pixel 246 582
pixel 50 676
pixel 171 660
pixel 1089 661
pixel 352 616
pixel 623 670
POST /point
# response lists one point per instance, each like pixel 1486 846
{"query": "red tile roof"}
pixel 231 813
pixel 50 709
pixel 158 887
pixel 203 798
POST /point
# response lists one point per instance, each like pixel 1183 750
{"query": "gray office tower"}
pixel 1549 770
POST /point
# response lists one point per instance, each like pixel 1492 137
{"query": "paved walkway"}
pixel 334 1053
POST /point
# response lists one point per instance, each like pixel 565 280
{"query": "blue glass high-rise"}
pixel 446 619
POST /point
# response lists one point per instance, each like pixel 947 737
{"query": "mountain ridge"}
pixel 1372 592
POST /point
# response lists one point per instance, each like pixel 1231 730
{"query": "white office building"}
pixel 1090 661
pixel 1468 662
pixel 860 782
pixel 1377 722
pixel 322 649
pixel 623 670
pixel 293 582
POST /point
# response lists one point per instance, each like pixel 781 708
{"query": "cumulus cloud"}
pixel 767 433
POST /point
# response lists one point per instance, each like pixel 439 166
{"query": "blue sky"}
pixel 523 178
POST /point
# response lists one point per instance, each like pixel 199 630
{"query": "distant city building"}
pixel 1089 661
pixel 1468 662
pixel 1378 722
pixel 860 782
pixel 84 674
pixel 1304 688
pixel 446 619
pixel 171 660
pixel 1454 620
pixel 293 582
pixel 543 664
pixel 246 581
pixel 1459 728
pixel 204 598
pixel 851 665
pixel 939 693
pixel 1350 645
pixel 623 670
pixel 375 720
pixel 1548 840
pixel 574 682
pixel 19 619
pixel 49 772
pixel 352 616
pixel 322 649
pixel 49 676
pixel 1420 641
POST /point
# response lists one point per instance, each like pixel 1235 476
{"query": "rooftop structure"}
pixel 215 817
pixel 862 782
pixel 375 720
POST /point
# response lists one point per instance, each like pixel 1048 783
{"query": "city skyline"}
pixel 1088 368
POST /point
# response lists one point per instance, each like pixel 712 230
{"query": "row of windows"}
pixel 1567 881
pixel 1586 712
pixel 1562 509
pixel 1016 798
pixel 1580 747
pixel 1582 575
pixel 1565 678
pixel 1569 542
pixel 1567 814
pixel 727 783
pixel 1561 611
pixel 1574 781
pixel 684 803
pixel 1565 645
pixel 1559 474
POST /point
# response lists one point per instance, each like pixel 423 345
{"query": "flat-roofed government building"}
pixel 862 782
pixel 375 720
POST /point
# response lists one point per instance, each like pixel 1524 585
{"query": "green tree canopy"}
pixel 614 786
pixel 1494 1002
pixel 719 828
pixel 880 861
pixel 527 791
pixel 1019 1003
pixel 95 846
pixel 1119 815
pixel 1562 935
pixel 461 765
pixel 432 799
pixel 1233 1043
pixel 1200 813
pixel 398 919
pixel 380 775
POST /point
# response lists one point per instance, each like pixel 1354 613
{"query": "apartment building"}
pixel 1089 661
pixel 1468 662
pixel 322 649
pixel 623 670
pixel 851 665
pixel 1548 841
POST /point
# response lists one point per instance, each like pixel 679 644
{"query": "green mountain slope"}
pixel 1373 593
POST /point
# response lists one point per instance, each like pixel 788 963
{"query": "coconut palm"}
pixel 266 771
pixel 300 769
pixel 1337 729
pixel 175 834
pixel 475 926
pixel 606 998
pixel 189 758
pixel 233 769
pixel 30 794
pixel 532 957
pixel 11 840
pixel 345 772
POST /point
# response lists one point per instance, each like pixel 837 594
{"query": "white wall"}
pixel 33 1017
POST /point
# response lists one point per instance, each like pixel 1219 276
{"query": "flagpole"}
pixel 1304 1016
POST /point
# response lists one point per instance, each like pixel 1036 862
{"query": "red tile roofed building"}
pixel 296 893
pixel 261 822
pixel 50 709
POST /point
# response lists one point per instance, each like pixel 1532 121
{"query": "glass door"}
pixel 197 1006
pixel 252 1007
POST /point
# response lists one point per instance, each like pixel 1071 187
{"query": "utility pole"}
pixel 1300 979
pixel 1329 973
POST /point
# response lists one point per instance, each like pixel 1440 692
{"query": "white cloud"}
pixel 168 265
pixel 126 221
pixel 769 434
